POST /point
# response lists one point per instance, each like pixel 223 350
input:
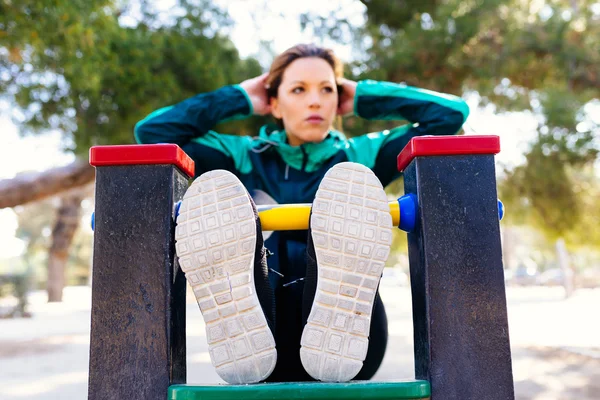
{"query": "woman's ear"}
pixel 275 107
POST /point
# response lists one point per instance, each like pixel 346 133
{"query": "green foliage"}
pixel 80 257
pixel 82 68
pixel 585 233
pixel 517 55
pixel 35 222
pixel 75 66
pixel 16 286
pixel 561 202
pixel 72 66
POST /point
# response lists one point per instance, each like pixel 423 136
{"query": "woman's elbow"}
pixel 144 134
pixel 455 121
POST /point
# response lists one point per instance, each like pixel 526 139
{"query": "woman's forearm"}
pixel 391 101
pixel 193 117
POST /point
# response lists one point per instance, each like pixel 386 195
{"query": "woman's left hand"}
pixel 346 105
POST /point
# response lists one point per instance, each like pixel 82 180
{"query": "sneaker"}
pixel 220 248
pixel 349 241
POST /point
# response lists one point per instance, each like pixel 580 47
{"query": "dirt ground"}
pixel 555 345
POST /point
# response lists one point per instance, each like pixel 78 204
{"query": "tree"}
pixel 517 55
pixel 67 221
pixel 93 78
pixel 32 186
pixel 34 226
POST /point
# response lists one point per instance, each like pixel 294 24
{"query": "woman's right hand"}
pixel 257 92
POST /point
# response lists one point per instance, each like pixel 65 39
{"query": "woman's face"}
pixel 307 100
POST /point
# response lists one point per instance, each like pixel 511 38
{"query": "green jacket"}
pixel 290 174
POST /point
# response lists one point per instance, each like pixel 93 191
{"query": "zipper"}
pixel 304 157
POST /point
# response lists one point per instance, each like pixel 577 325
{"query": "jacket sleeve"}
pixel 428 113
pixel 189 124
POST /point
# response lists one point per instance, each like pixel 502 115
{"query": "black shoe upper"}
pixel 264 291
pixel 310 281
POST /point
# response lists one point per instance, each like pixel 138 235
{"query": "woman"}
pixel 312 310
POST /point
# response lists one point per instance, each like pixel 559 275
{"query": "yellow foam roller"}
pixel 292 217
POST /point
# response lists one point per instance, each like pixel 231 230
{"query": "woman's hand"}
pixel 257 92
pixel 346 105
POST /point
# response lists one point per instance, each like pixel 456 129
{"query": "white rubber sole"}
pixel 215 242
pixel 351 229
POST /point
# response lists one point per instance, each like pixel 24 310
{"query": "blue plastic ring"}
pixel 408 212
pixel 177 207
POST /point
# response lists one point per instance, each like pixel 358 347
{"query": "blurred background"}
pixel 78 74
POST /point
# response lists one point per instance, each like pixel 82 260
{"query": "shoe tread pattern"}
pixel 215 242
pixel 351 228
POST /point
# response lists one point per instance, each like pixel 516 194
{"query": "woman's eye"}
pixel 297 90
pixel 328 89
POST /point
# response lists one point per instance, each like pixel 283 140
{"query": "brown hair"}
pixel 283 60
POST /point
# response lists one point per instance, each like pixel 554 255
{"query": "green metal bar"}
pixel 399 390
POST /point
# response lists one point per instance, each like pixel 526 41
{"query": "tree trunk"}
pixel 67 221
pixel 564 264
pixel 36 186
pixel 508 247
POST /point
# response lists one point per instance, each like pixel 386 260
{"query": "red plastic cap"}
pixel 447 146
pixel 142 154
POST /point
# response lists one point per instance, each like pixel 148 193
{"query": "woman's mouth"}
pixel 314 119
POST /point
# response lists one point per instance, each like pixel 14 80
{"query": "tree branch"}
pixel 36 186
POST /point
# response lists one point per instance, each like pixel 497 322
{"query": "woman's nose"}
pixel 314 99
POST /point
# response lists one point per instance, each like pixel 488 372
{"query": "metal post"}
pixel 137 343
pixel 459 301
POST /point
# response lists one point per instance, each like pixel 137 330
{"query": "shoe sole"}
pixel 351 228
pixel 215 243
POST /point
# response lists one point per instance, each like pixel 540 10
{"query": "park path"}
pixel 555 344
